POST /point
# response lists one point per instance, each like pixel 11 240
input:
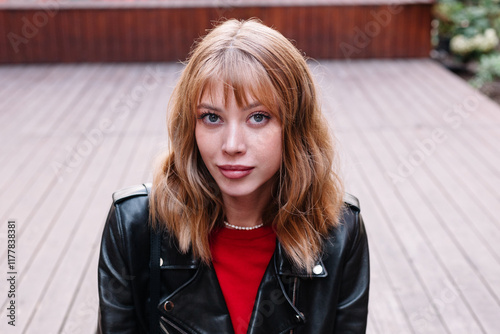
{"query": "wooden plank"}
pixel 127 46
pixel 82 235
pixel 114 35
pixel 440 77
pixel 27 119
pixel 384 17
pixel 42 172
pixel 5 42
pixel 154 132
pixel 64 38
pixel 42 315
pixel 37 4
pixel 16 52
pixel 12 92
pixel 479 116
pixel 369 27
pixel 401 234
pixel 128 150
pixel 467 141
pixel 432 238
pixel 30 113
pixel 346 20
pixel 385 304
pixel 474 211
pixel 36 171
pixel 24 300
pixel 154 30
pixel 368 142
pixel 88 40
pixel 51 48
pixel 82 317
pixel 462 233
pixel 37 272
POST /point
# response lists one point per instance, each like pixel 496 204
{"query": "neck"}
pixel 246 211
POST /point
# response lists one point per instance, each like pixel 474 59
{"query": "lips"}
pixel 235 171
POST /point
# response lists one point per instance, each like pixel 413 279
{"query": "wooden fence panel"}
pixel 166 34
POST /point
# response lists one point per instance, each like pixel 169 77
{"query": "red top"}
pixel 240 259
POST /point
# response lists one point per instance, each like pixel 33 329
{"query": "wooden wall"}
pixel 166 34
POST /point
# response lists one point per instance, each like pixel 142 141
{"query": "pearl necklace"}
pixel 245 228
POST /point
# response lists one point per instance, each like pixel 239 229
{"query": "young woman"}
pixel 246 228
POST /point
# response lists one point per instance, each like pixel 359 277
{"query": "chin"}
pixel 237 192
pixel 234 189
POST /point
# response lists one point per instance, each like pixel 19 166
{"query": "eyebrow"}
pixel 252 105
pixel 208 106
pixel 211 107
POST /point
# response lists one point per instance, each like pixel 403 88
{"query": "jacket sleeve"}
pixel 116 305
pixel 352 309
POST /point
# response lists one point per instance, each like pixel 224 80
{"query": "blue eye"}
pixel 259 118
pixel 210 118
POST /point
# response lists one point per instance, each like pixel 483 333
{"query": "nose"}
pixel 234 140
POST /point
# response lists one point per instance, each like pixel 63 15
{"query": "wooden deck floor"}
pixel 420 150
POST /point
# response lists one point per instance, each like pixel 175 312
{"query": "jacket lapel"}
pixel 274 309
pixel 199 304
pixel 286 268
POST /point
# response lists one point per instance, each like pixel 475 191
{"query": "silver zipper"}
pixel 163 328
pixel 294 290
pixel 171 324
pixel 294 295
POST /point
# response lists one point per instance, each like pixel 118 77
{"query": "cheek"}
pixel 276 154
pixel 271 146
pixel 201 142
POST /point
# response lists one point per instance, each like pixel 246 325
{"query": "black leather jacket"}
pixel 333 300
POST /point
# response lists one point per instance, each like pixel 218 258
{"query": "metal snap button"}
pixel 161 262
pixel 168 306
pixel 318 269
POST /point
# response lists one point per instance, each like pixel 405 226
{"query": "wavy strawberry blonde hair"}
pixel 254 60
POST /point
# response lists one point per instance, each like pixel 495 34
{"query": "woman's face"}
pixel 241 147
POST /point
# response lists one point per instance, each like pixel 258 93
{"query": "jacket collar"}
pixel 274 309
pixel 173 258
pixel 286 268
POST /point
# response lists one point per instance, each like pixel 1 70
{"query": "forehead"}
pixel 232 73
pixel 244 91
pixel 222 94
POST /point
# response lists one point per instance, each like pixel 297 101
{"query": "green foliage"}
pixel 472 21
pixel 468 20
pixel 488 70
pixel 446 12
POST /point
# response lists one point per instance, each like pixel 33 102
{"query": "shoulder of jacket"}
pixel 352 201
pixel 129 192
